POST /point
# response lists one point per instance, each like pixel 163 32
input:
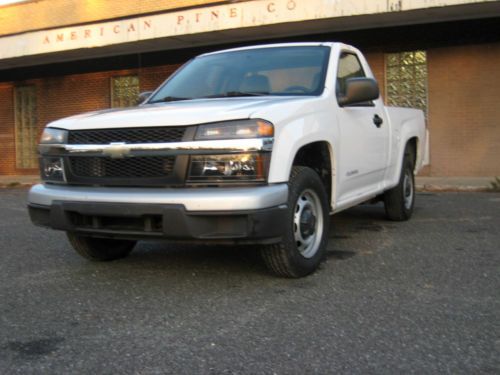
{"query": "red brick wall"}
pixel 464 110
pixel 463 106
pixel 151 78
pixel 377 64
pixel 59 97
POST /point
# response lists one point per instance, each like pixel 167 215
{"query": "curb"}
pixel 17 185
pixel 453 188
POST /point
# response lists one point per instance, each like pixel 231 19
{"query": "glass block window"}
pixel 124 91
pixel 406 79
pixel 25 126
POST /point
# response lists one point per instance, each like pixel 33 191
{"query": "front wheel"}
pixel 304 242
pixel 100 249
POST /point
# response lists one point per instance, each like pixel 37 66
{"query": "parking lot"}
pixel 416 297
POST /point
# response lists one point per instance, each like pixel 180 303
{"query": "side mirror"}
pixel 359 90
pixel 143 96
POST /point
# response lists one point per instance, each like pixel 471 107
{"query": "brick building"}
pixel 63 57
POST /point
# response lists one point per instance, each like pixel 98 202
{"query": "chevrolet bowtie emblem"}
pixel 116 150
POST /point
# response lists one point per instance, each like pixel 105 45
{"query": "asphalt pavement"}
pixel 418 297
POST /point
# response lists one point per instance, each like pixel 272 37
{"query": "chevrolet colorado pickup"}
pixel 250 145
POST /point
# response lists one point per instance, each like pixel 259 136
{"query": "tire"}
pixel 100 249
pixel 303 245
pixel 399 201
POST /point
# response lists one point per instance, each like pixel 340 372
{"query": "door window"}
pixel 349 67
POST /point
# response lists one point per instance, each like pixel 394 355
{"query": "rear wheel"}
pixel 100 249
pixel 399 201
pixel 304 241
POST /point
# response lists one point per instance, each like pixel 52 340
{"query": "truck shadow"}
pixel 359 221
pixel 355 226
pixel 197 257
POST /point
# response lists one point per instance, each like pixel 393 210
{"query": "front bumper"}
pixel 255 214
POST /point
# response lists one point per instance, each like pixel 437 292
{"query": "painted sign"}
pixel 201 20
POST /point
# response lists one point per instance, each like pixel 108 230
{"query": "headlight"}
pixel 54 136
pixel 251 167
pixel 52 169
pixel 235 130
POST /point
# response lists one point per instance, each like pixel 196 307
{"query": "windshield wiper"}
pixel 223 95
pixel 169 99
pixel 236 93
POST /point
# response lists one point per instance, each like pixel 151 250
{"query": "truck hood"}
pixel 178 113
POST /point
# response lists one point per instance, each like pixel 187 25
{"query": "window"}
pixel 349 67
pixel 406 79
pixel 124 91
pixel 25 126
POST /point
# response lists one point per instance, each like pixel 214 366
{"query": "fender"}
pixel 409 129
pixel 298 133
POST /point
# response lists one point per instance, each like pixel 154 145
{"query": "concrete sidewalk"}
pixel 18 181
pixel 454 183
pixel 423 183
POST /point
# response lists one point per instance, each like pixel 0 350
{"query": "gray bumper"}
pixel 193 199
pixel 256 214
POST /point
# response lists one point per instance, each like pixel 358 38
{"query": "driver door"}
pixel 363 138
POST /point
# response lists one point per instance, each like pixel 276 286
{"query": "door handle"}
pixel 377 120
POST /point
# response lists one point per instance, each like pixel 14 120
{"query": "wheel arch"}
pixel 409 146
pixel 318 156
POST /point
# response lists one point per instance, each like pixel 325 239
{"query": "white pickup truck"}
pixel 250 145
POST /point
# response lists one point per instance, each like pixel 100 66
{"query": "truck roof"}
pixel 297 44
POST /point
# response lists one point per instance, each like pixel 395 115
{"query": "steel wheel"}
pixel 303 244
pixel 409 190
pixel 399 200
pixel 308 223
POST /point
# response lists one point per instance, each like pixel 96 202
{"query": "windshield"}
pixel 262 71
